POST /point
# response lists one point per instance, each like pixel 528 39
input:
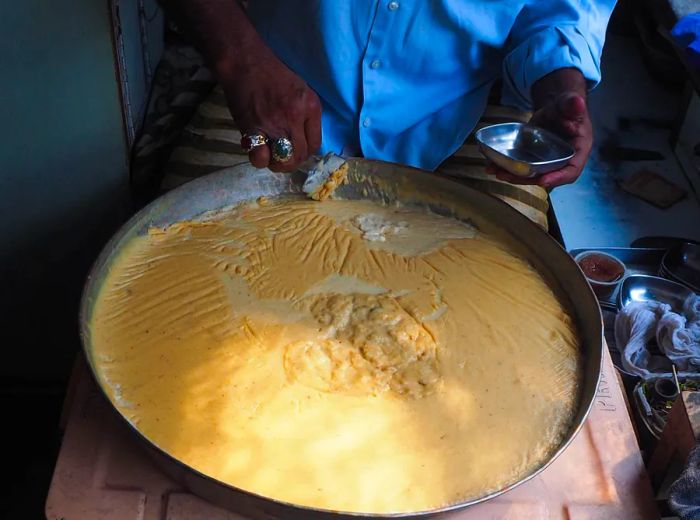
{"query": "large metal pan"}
pixel 367 180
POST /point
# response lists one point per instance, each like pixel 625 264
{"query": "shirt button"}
pixel 366 122
pixel 393 6
pixel 375 64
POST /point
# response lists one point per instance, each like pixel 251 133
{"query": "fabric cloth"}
pixel 211 141
pixel 677 336
pixel 691 308
pixel 180 83
pixel 635 327
pixel 680 341
pixel 687 33
pixel 684 493
pixel 407 80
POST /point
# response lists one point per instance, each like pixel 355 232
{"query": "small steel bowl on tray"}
pixel 643 288
pixel 523 150
pixel 602 270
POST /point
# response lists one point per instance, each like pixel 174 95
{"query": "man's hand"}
pixel 560 100
pixel 264 96
pixel 269 98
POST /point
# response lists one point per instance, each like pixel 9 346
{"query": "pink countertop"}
pixel 103 473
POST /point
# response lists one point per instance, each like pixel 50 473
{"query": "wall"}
pixel 139 47
pixel 63 175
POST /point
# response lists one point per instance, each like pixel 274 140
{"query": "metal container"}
pixel 523 150
pixel 643 288
pixel 637 261
pixel 382 182
pixel 602 289
pixel 682 264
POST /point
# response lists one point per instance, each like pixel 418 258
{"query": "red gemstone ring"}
pixel 250 141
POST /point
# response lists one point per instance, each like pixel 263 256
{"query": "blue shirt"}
pixel 407 80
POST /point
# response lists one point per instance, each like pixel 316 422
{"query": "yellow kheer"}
pixel 343 355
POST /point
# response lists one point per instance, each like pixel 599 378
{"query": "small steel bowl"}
pixel 523 150
pixel 643 288
pixel 601 288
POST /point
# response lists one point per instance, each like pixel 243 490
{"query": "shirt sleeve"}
pixel 552 35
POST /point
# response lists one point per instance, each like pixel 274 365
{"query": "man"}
pixel 398 80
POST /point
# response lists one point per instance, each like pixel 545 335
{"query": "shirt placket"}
pixel 374 65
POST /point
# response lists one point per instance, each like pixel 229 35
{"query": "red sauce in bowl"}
pixel 601 268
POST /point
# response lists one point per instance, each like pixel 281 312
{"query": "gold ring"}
pixel 250 141
pixel 282 149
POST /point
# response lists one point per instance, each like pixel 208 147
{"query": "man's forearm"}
pixel 549 87
pixel 264 96
pixel 221 31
